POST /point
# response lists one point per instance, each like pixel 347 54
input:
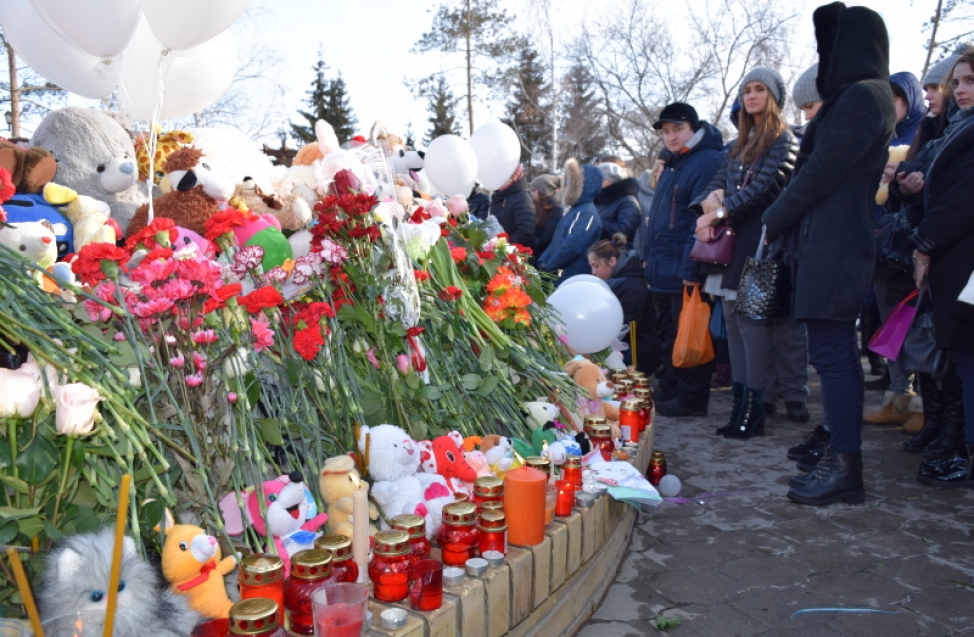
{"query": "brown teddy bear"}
pixel 337 481
pixel 590 377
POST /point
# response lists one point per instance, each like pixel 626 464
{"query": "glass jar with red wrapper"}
pixel 629 420
pixel 415 526
pixel 601 436
pixel 458 536
pixel 310 570
pixel 493 532
pixel 256 617
pixel 343 567
pixel 657 468
pixel 389 568
pixel 263 576
pixel 645 395
pixel 572 471
pixel 487 489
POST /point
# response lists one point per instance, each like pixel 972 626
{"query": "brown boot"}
pixel 914 423
pixel 893 412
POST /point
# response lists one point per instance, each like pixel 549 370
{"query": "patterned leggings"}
pixel 833 351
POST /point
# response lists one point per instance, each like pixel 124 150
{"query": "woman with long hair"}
pixel 545 192
pixel 755 171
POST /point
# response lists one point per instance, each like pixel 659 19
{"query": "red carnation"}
pixel 147 236
pixel 372 232
pixel 95 258
pixel 422 275
pixel 261 298
pixel 223 222
pixel 220 297
pixel 458 254
pixel 452 293
pixel 308 342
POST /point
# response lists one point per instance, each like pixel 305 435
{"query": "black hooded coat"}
pixel 826 209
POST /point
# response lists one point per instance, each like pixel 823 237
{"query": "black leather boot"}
pixel 933 421
pixel 951 438
pixel 811 444
pixel 838 476
pixel 958 471
pixel 752 418
pixel 737 396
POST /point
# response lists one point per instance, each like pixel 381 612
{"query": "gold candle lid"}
pixel 492 505
pixel 600 430
pixel 539 463
pixel 311 564
pixel 258 569
pixel 414 525
pixel 642 392
pixel 253 616
pixel 572 462
pixel 340 546
pixel 593 419
pixel 488 486
pixel 624 386
pixel 394 542
pixel 630 404
pixel 493 521
pixel 460 513
pixel 619 374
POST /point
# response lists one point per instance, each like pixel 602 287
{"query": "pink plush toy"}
pixel 291 514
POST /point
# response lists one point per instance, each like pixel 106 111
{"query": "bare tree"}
pixel 958 14
pixel 25 92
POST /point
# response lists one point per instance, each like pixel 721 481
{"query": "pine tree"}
pixel 528 113
pixel 582 117
pixel 442 107
pixel 410 141
pixel 327 100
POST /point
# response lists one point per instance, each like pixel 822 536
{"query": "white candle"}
pixel 360 530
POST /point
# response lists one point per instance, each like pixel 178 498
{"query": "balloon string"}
pixel 154 133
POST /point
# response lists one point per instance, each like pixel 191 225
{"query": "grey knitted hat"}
pixel 937 73
pixel 546 185
pixel 771 79
pixel 805 91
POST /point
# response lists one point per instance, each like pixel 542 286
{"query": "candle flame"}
pixel 355 480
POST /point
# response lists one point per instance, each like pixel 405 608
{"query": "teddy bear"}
pixel 392 458
pixel 90 218
pixel 194 565
pixel 96 157
pixel 292 211
pixel 897 154
pixel 598 389
pixel 336 482
pixel 30 171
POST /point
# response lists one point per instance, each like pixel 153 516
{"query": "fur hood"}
pixel 614 192
pixel 582 183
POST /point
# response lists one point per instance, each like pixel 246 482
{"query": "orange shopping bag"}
pixel 693 345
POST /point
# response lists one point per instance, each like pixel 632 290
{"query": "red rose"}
pixel 422 275
pixel 452 293
pixel 261 298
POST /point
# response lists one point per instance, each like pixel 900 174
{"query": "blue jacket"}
pixel 906 128
pixel 619 209
pixel 578 229
pixel 670 233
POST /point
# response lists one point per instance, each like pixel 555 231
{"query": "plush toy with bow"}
pixel 191 562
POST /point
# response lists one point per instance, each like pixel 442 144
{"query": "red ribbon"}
pixel 199 579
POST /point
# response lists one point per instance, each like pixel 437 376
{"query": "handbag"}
pixel 693 346
pixel 920 352
pixel 718 329
pixel 888 339
pixel 720 250
pixel 893 245
pixel 764 292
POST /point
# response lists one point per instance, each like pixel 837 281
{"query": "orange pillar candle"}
pixel 524 505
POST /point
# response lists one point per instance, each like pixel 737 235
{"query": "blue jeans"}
pixel 833 351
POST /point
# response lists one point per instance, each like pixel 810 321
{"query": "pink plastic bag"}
pixel 888 339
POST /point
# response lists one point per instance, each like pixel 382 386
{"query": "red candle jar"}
pixel 310 570
pixel 629 420
pixel 256 617
pixel 572 471
pixel 623 389
pixel 657 468
pixel 343 567
pixel 493 532
pixel 488 489
pixel 524 505
pixel 414 526
pixel 458 536
pixel 263 576
pixel 565 499
pixel 618 376
pixel 491 505
pixel 601 435
pixel 644 394
pixel 389 568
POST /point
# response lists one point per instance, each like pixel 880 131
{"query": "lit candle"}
pixel 25 594
pixel 116 572
pixel 360 528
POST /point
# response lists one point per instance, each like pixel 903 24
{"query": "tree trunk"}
pixel 933 37
pixel 467 35
pixel 555 92
pixel 14 93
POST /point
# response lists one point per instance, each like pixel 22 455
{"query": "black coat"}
pixel 514 210
pixel 544 233
pixel 947 234
pixel 478 204
pixel 619 209
pixel 827 206
pixel 629 286
pixel 768 176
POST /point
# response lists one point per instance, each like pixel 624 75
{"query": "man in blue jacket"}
pixel 693 154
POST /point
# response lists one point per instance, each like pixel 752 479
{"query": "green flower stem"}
pixel 12 439
pixel 64 480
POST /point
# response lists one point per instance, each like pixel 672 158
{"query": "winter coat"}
pixel 671 225
pixel 947 233
pixel 828 203
pixel 514 210
pixel 580 227
pixel 906 128
pixel 645 198
pixel 543 234
pixel 478 204
pixel 629 286
pixel 768 176
pixel 619 209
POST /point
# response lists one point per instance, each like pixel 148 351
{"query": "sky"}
pixel 370 41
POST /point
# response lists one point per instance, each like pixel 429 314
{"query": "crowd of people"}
pixel 806 195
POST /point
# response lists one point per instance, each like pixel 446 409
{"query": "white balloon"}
pixel 184 24
pixel 98 27
pixel 579 278
pixel 51 56
pixel 590 316
pixel 498 153
pixel 192 80
pixel 451 165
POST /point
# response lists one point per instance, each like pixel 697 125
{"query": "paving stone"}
pixel 810 530
pixel 951 607
pixel 768 571
pixel 609 629
pixel 774 606
pixel 718 620
pixel 834 557
pixel 906 624
pixel 750 542
pixel 858 590
pixel 622 603
pixel 680 556
pixel 706 587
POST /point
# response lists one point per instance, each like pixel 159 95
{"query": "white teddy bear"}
pixel 393 458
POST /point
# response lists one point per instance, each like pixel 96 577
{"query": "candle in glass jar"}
pixel 487 489
pixel 657 468
pixel 629 420
pixel 389 569
pixel 601 436
pixel 310 570
pixel 343 567
pixel 572 471
pixel 565 498
pixel 524 505
pixel 493 532
pixel 458 535
pixel 256 617
pixel 262 576
pixel 415 526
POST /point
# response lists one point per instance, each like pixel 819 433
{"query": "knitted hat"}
pixel 771 79
pixel 937 73
pixel 613 172
pixel 678 113
pixel 805 91
pixel 546 185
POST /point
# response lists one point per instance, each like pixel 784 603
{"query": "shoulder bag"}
pixel 764 292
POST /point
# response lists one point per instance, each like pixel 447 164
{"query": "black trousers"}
pixel 691 385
